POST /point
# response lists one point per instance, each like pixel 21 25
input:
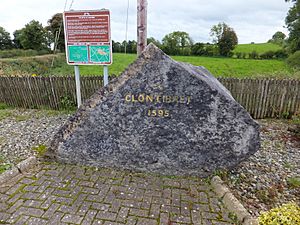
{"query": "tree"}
pixel 34 36
pixel 292 21
pixel 154 41
pixel 55 27
pixel 177 43
pixel 224 37
pixel 116 46
pixel 5 40
pixel 16 40
pixel 278 38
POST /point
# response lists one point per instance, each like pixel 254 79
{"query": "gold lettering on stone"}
pixel 127 98
pixel 149 98
pixel 143 98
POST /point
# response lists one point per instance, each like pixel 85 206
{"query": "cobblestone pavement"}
pixel 65 194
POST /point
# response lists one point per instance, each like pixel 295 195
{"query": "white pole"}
pixel 77 80
pixel 105 75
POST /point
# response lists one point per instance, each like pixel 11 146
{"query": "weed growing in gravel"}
pixel 294 182
pixel 5 114
pixel 40 149
pixel 20 118
pixel 4 167
pixel 3 164
pixel 3 106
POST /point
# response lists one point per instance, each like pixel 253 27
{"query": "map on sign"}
pixel 100 54
pixel 88 37
pixel 78 54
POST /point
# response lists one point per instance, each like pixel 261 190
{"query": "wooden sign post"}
pixel 141 25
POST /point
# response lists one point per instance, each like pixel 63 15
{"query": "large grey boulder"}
pixel 159 116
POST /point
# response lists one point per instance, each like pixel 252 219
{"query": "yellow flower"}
pixel 34 75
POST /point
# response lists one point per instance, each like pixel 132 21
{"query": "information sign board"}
pixel 88 37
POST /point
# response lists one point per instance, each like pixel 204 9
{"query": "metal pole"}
pixel 77 80
pixel 141 25
pixel 105 75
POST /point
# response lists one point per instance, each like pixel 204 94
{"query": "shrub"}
pixel 294 60
pixel 12 53
pixel 281 54
pixel 244 55
pixel 267 55
pixel 287 214
pixel 253 55
pixel 238 55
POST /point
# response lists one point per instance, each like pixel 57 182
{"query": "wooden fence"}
pixel 262 98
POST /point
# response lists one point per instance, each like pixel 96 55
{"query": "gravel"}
pixel 260 183
pixel 22 130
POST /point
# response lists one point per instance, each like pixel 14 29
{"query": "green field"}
pixel 259 47
pixel 220 67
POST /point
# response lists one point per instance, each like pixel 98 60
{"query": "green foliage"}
pixel 4 165
pixel 3 106
pixel 12 53
pixel 225 37
pixel 294 182
pixel 294 60
pixel 67 103
pixel 281 54
pixel 220 67
pixel 129 46
pixel 4 114
pixel 154 41
pixel 40 65
pixel 177 43
pixel 287 214
pixel 253 55
pixel 55 27
pixel 259 48
pixel 292 21
pixel 40 149
pixel 278 38
pixel 267 55
pixel 201 49
pixel 5 41
pixel 33 36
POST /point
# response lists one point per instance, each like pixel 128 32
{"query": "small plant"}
pixel 294 60
pixel 20 118
pixel 233 217
pixel 40 149
pixel 4 167
pixel 3 106
pixel 294 182
pixel 287 214
pixel 66 103
pixel 4 114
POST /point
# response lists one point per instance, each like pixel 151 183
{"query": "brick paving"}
pixel 66 194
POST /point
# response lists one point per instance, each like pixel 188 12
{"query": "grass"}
pixel 259 47
pixel 294 182
pixel 4 165
pixel 38 113
pixel 40 149
pixel 220 67
pixel 241 68
pixel 5 114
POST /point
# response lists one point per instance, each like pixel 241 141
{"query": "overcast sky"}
pixel 253 20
